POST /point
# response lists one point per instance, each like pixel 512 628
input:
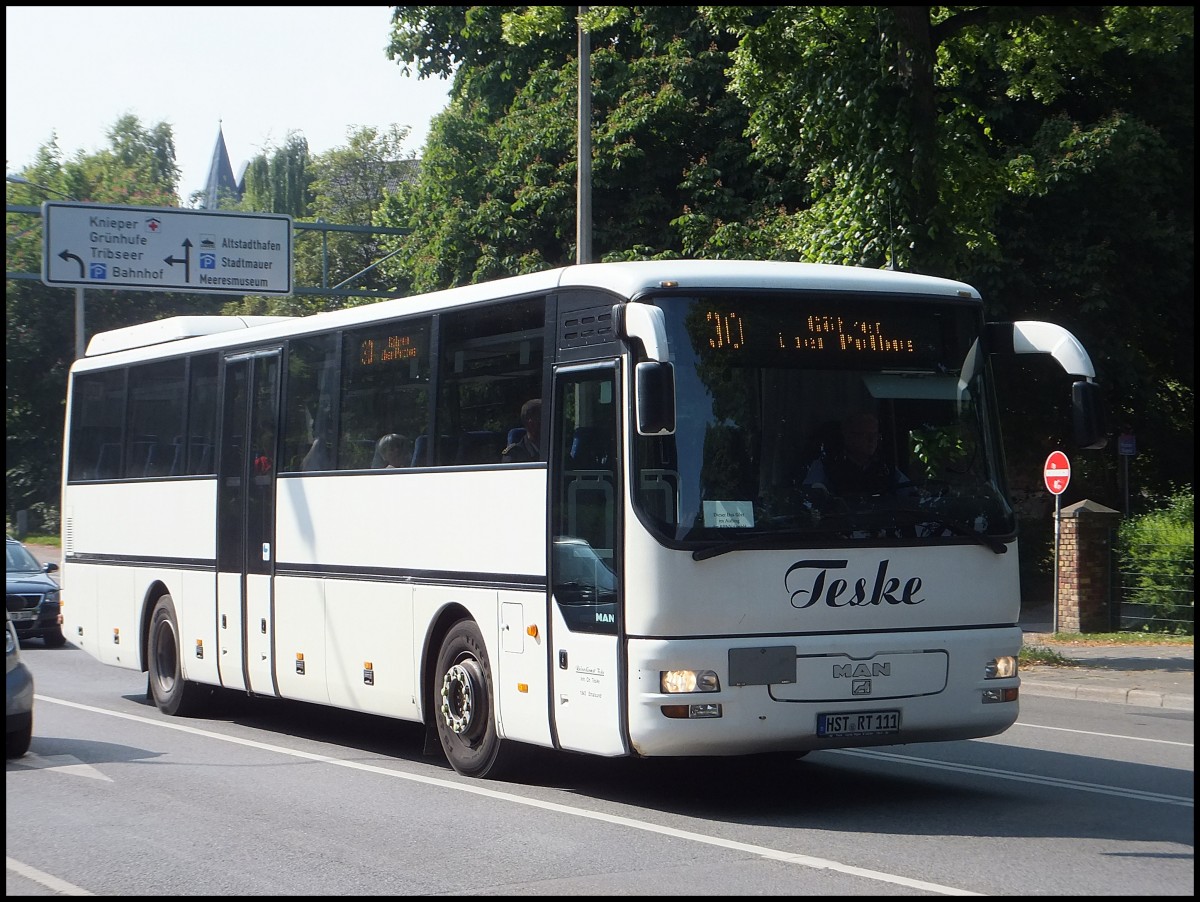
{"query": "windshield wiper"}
pixel 763 541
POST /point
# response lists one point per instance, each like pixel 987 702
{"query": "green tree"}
pixel 343 187
pixel 496 192
pixel 351 183
pixel 281 181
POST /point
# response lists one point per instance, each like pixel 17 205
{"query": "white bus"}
pixel 665 578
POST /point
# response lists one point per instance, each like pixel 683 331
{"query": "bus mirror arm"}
pixel 1032 337
pixel 645 323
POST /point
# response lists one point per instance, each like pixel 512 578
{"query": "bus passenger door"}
pixel 587 702
pixel 246 521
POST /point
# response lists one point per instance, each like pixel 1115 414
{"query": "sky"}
pixel 254 72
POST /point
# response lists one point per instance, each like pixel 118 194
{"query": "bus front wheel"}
pixel 463 703
pixel 172 693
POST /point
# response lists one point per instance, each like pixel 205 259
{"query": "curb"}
pixel 1144 698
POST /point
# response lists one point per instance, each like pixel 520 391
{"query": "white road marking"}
pixel 479 790
pixel 1034 726
pixel 47 880
pixel 66 764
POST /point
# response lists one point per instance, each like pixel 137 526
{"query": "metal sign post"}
pixel 1127 448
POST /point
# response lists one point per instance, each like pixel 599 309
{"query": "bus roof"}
pixel 629 280
pixel 172 329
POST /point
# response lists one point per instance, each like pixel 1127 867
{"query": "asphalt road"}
pixel 263 797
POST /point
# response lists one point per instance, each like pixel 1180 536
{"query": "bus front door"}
pixel 586 563
pixel 246 521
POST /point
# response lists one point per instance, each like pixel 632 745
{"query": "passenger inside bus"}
pixel 526 448
pixel 393 451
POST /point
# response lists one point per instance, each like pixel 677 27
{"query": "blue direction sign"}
pixel 165 249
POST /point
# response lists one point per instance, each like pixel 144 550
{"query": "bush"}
pixel 1156 551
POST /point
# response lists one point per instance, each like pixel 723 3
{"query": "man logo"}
pixel 860 687
pixel 874 669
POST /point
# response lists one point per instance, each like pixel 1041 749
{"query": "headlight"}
pixel 1000 668
pixel 50 597
pixel 675 681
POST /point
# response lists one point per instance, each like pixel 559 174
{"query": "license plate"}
pixel 22 615
pixel 858 723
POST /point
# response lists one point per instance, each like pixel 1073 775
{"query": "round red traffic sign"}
pixel 1057 472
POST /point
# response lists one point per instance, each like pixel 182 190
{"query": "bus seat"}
pixel 176 468
pixel 421 457
pixel 201 457
pixel 482 446
pixel 158 459
pixel 420 450
pixel 108 463
pixel 590 449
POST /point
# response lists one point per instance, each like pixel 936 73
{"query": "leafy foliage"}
pixel 1157 554
pixel 282 181
pixel 344 186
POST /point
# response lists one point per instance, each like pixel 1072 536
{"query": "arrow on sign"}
pixel 67 255
pixel 186 261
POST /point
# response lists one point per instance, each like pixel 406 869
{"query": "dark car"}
pixel 31 596
pixel 18 697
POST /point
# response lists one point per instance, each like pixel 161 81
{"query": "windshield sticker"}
pixel 729 514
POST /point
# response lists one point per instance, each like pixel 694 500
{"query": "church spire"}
pixel 220 184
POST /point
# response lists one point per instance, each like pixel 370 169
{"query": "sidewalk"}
pixel 1151 676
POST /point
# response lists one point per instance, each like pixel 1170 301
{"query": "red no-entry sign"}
pixel 1057 472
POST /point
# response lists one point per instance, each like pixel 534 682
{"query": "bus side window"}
pixel 489 366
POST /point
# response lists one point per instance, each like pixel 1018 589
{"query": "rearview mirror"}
pixel 655 401
pixel 1088 415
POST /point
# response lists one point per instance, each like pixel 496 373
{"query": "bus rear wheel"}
pixel 463 704
pixel 172 693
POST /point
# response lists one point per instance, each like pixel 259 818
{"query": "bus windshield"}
pixel 824 419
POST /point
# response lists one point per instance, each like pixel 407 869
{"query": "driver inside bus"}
pixel 858 468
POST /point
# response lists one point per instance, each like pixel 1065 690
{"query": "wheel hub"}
pixel 462 692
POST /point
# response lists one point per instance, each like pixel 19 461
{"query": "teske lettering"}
pixel 840 593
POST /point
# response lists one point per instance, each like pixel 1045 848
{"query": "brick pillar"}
pixel 1084 568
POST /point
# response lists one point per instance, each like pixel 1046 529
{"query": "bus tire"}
pixel 172 693
pixel 463 706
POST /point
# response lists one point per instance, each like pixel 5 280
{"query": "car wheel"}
pixel 172 693
pixel 17 742
pixel 463 705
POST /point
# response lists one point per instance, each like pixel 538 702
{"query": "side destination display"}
pixel 166 249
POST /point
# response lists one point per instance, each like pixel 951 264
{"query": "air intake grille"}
pixel 583 328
